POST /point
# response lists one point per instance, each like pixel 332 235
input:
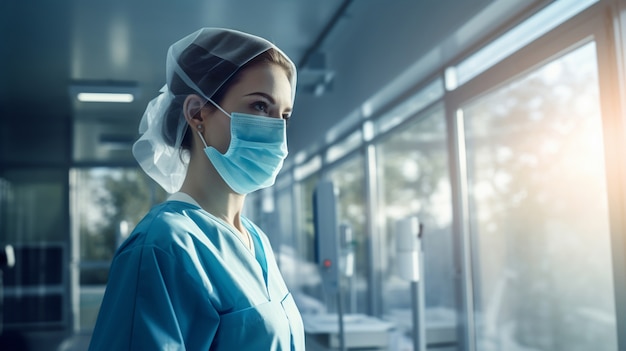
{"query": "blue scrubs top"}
pixel 184 280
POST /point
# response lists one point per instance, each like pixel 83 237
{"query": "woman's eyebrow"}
pixel 267 96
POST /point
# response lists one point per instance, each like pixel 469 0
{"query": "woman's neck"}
pixel 207 187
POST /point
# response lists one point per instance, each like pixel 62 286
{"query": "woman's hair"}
pixel 180 90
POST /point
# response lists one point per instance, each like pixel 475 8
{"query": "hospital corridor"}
pixel 350 175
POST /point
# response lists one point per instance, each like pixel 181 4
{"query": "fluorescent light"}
pixel 104 91
pixel 105 97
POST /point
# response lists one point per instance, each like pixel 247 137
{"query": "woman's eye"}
pixel 261 106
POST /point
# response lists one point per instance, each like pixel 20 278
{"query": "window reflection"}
pixel 538 211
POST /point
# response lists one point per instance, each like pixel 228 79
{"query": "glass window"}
pixel 33 219
pixel 285 208
pixel 538 213
pixel 286 226
pixel 106 204
pixel 413 173
pixel 348 178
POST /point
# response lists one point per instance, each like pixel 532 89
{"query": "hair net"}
pixel 200 63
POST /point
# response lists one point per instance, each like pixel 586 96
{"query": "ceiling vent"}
pixel 315 78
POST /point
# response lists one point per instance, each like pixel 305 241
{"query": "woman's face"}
pixel 262 89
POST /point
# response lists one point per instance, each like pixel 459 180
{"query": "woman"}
pixel 195 274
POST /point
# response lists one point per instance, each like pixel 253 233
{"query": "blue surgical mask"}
pixel 258 147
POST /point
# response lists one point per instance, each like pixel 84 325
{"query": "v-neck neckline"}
pixel 186 198
pixel 258 249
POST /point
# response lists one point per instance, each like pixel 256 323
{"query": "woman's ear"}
pixel 192 108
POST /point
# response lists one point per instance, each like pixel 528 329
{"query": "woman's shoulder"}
pixel 169 223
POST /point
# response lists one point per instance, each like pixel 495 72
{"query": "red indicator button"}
pixel 327 263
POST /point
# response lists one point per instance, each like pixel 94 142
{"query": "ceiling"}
pixel 48 45
pixel 52 44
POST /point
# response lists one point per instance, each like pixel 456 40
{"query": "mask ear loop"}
pixel 202 138
pixel 219 107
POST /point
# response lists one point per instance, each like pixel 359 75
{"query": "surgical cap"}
pixel 200 63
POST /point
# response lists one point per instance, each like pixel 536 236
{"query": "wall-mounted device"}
pixel 326 238
pixel 408 248
pixel 410 267
pixel 327 246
